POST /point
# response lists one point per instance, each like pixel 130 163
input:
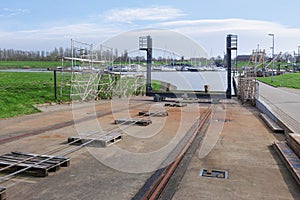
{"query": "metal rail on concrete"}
pixel 161 181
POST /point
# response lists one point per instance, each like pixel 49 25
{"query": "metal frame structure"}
pixel 231 44
pixel 88 77
pixel 85 73
pixel 145 43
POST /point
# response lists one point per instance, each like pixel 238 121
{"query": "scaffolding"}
pixel 248 86
pixel 258 63
pixel 88 77
pixel 247 89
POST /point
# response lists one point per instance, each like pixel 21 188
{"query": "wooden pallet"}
pixel 38 165
pixel 175 104
pixel 103 141
pixel 289 158
pixel 137 121
pixel 153 114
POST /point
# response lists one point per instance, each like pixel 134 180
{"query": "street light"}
pixel 273 37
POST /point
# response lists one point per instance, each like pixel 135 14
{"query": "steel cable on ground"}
pixel 61 147
pixel 66 146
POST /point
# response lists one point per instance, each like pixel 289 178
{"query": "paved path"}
pixel 284 103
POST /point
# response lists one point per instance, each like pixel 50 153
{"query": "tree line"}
pixel 57 53
pixel 21 55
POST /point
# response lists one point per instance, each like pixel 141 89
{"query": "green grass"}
pixel 156 85
pixel 286 80
pixel 30 64
pixel 19 92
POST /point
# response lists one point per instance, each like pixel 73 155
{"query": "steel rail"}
pixel 159 184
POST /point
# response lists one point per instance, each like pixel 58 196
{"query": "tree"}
pixel 61 51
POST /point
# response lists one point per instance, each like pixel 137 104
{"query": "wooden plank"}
pixel 39 155
pixel 175 104
pixel 137 121
pixel 293 140
pixel 2 193
pixel 289 158
pixel 7 163
pixel 271 124
pixel 102 141
pixel 153 114
pixel 64 161
pixel 29 160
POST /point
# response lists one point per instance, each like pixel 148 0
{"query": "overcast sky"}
pixel 43 25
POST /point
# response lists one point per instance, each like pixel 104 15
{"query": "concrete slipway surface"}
pixel 242 148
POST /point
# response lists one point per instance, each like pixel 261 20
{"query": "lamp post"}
pixel 273 38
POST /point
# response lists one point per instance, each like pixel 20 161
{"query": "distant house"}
pixel 244 58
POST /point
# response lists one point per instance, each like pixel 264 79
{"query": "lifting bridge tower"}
pixel 231 44
pixel 145 43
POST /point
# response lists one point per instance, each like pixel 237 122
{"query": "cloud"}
pixel 142 14
pixel 218 25
pixel 56 36
pixel 208 33
pixel 8 12
pixel 211 33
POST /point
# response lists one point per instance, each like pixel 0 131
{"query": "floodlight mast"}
pixel 145 43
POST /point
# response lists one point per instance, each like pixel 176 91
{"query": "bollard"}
pixel 206 88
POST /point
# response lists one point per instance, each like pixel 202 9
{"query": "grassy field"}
pixel 30 64
pixel 286 80
pixel 20 91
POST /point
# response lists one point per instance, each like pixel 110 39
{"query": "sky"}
pixel 44 25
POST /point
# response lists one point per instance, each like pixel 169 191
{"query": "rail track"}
pixel 155 187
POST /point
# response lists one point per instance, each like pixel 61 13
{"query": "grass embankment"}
pixel 286 80
pixel 19 92
pixel 30 64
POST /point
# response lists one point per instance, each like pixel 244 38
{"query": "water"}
pixel 216 80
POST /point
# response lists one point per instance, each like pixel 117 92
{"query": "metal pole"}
pixel 273 38
pixel 145 43
pixel 149 62
pixel 55 95
pixel 228 59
